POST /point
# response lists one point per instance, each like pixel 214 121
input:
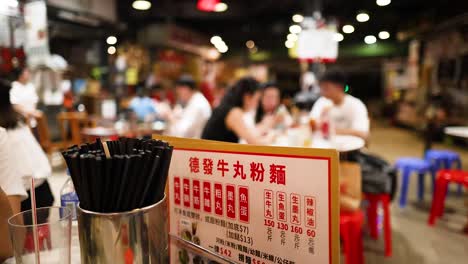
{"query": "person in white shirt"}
pixel 23 94
pixel 10 182
pixel 195 110
pixel 24 154
pixel 347 113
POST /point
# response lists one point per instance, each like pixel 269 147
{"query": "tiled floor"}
pixel 413 241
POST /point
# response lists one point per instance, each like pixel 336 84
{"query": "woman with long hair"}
pixel 227 120
pixel 28 156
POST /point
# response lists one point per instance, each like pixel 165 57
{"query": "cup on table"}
pixel 52 233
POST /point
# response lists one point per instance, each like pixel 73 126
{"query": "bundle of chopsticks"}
pixel 119 175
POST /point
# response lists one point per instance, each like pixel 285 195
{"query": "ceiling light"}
pixel 111 40
pixel 220 45
pixel 141 4
pixel 223 49
pixel 216 39
pixel 289 44
pixel 111 50
pixel 338 37
pixel 250 44
pixel 383 2
pixel 221 7
pixel 298 18
pixel 292 37
pixel 348 29
pixel 370 39
pixel 295 29
pixel 384 35
pixel 362 17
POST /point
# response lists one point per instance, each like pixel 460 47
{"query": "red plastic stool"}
pixel 351 235
pixel 43 237
pixel 444 177
pixel 374 200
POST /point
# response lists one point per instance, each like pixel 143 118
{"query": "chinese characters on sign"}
pixel 257 171
pixel 252 207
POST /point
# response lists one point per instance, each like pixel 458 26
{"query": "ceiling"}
pixel 267 21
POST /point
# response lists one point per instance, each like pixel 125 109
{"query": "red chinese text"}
pixel 268 206
pixel 208 166
pixel 230 201
pixel 257 171
pixel 194 165
pixel 207 197
pixel 281 206
pixel 244 204
pixel 177 190
pixel 295 205
pixel 196 194
pixel 278 174
pixel 222 166
pixel 310 211
pixel 239 170
pixel 186 191
pixel 218 199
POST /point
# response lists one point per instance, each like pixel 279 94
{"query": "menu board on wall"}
pixel 253 204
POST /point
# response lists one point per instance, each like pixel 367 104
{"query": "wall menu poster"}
pixel 254 204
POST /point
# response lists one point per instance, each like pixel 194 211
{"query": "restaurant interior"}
pixel 94 92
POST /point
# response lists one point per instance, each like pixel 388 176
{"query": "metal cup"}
pixel 137 236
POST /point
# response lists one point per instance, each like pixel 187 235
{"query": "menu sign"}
pixel 252 204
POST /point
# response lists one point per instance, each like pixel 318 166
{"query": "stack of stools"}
pixel 444 177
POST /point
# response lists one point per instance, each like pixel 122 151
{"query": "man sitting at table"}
pixel 190 118
pixel 347 113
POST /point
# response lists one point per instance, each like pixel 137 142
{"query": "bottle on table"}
pixel 68 197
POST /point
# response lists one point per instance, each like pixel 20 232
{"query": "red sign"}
pixel 207 197
pixel 186 187
pixel 196 194
pixel 218 189
pixel 231 201
pixel 177 190
pixel 244 204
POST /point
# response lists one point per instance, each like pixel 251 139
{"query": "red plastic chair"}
pixel 444 177
pixel 351 235
pixel 374 200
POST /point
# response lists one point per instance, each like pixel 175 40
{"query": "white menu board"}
pixel 254 204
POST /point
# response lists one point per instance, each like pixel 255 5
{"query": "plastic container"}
pixel 68 197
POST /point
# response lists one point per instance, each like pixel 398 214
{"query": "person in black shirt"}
pixel 227 120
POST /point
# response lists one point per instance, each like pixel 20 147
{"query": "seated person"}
pixel 271 113
pixel 193 113
pixel 347 113
pixel 227 123
pixel 23 94
pixel 143 106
